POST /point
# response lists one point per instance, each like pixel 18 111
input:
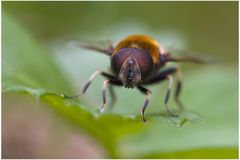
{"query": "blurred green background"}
pixel 36 55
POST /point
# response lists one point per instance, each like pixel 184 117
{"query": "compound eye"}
pixel 118 59
pixel 139 56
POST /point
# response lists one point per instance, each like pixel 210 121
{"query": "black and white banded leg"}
pixel 147 93
pixel 170 79
pixel 167 75
pixel 87 84
pixel 104 95
pixel 113 97
pixel 178 90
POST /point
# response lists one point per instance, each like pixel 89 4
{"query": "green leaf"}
pixel 29 68
pixel 220 153
pixel 215 97
pixel 26 63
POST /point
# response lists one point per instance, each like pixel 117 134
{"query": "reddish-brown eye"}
pixel 143 58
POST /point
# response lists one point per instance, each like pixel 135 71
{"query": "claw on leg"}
pixel 102 108
pixel 169 112
pixel 71 97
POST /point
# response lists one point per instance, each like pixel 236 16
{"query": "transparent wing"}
pixel 106 50
pixel 181 55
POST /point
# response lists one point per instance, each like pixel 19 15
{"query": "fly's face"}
pixel 132 65
pixel 130 73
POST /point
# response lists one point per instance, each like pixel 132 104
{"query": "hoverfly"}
pixel 136 62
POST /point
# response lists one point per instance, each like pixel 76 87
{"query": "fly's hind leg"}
pixel 178 90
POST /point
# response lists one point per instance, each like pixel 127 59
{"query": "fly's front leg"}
pixel 147 93
pixel 87 84
pixel 104 95
pixel 105 83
